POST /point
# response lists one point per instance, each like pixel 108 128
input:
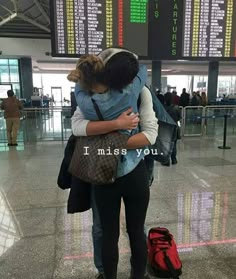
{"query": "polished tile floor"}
pixel 195 199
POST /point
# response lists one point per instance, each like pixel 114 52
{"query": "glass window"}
pixel 178 82
pixel 9 73
pixel 4 74
pixel 3 61
pixel 13 62
pixel 47 81
pixel 16 89
pixel 37 80
pixel 200 83
pixel 227 86
pixel 14 74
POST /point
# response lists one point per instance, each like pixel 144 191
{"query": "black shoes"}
pixel 12 144
pixel 174 161
pixel 167 163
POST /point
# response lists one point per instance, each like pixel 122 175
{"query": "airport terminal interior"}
pixel 184 44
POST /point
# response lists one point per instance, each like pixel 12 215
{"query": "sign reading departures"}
pixel 154 29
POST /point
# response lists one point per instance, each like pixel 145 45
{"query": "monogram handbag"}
pixel 95 158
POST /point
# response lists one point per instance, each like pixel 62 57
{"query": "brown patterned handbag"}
pixel 95 158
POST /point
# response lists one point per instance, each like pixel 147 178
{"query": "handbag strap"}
pixel 98 112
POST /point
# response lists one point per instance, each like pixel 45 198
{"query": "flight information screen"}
pixel 150 28
pixel 89 26
pixel 209 28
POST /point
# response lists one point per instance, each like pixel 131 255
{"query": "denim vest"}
pixel 112 104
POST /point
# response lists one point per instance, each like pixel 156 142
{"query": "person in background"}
pixel 199 98
pixel 160 96
pixel 175 98
pixel 184 98
pixel 204 99
pixel 195 101
pixel 175 113
pixel 12 107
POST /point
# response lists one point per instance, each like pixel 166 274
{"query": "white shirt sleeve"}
pixel 79 123
pixel 148 120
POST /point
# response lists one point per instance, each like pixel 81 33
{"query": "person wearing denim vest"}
pixel 148 125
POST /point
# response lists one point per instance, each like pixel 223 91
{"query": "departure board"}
pixel 89 26
pixel 154 29
pixel 150 28
pixel 209 29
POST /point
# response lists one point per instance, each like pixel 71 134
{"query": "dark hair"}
pixel 120 70
pixel 10 93
pixel 168 99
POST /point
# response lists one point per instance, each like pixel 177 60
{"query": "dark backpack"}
pixel 167 128
pixel 163 256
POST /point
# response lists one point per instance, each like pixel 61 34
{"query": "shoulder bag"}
pixel 95 158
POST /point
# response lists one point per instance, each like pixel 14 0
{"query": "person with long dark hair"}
pixel 132 182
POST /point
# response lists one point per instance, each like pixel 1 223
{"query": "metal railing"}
pixel 208 121
pixel 54 123
pixel 41 124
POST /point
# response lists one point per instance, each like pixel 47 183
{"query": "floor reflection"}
pixel 9 232
pixel 202 219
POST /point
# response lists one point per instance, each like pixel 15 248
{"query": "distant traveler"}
pixel 175 98
pixel 184 98
pixel 199 98
pixel 195 101
pixel 160 96
pixel 175 113
pixel 204 99
pixel 12 107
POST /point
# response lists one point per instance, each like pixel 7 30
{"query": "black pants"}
pixel 134 190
